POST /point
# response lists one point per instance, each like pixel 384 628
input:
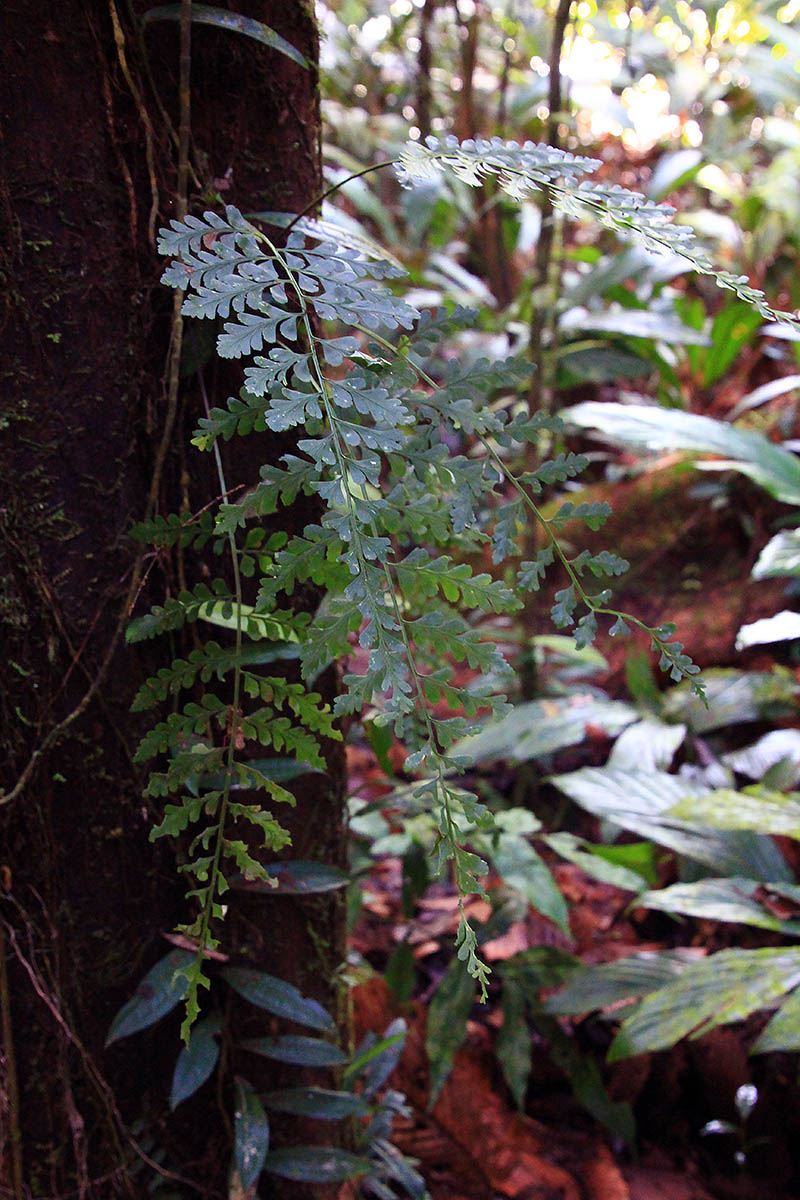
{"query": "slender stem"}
pixel 389 162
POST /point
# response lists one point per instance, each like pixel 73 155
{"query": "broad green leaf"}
pixel 653 428
pixel 764 393
pixel 780 556
pixel 205 14
pixel 783 1031
pixel 315 1164
pixel 161 990
pixel 581 853
pixel 733 696
pixel 647 745
pixel 779 747
pixel 642 802
pixel 732 899
pixel 521 868
pixel 783 627
pixel 726 987
pixel 447 1022
pixel 599 987
pixel 279 997
pixel 305 1051
pixel 734 326
pixel 196 1060
pixel 514 1044
pixel 583 1073
pixel 316 1102
pixel 251 1134
pixel 766 812
pixel 634 322
pixel 542 727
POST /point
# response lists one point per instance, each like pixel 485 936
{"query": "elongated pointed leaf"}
pixel 376 1058
pixel 783 1031
pixel 733 696
pixel 251 1134
pixel 447 1022
pixel 769 812
pixel 196 1061
pixel 523 869
pixel 653 428
pixel 205 14
pixel 778 746
pixel 161 990
pixel 576 851
pixel 649 744
pixel 305 1051
pixel 315 1164
pixel 598 987
pixel 316 1102
pixel 643 802
pixel 783 627
pixel 726 987
pixel 279 997
pixel 542 727
pixel 719 900
pixel 780 556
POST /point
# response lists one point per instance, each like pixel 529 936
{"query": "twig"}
pixel 149 138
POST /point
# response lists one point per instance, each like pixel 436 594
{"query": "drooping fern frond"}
pixel 348 366
pixel 519 170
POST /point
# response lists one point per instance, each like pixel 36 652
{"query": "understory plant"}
pixel 422 466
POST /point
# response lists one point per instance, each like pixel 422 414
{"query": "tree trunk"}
pixel 89 106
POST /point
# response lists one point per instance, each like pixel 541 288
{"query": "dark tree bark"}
pixel 89 108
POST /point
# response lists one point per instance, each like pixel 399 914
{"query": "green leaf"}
pixel 780 556
pixel 521 868
pixel 376 1058
pixel 315 1164
pixel 316 1102
pixel 778 748
pixel 514 1044
pixel 734 326
pixel 643 802
pixel 649 744
pixel 542 727
pixel 597 987
pixel 783 1031
pixel 585 856
pixel 251 1134
pixel 196 1060
pixel 653 428
pixel 278 997
pixel 161 990
pixel 305 1051
pixel 447 1023
pixel 222 18
pixel 636 323
pixel 733 696
pixel 733 899
pixel 726 987
pixel 761 810
pixel 783 627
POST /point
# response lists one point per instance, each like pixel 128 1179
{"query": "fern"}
pixel 374 423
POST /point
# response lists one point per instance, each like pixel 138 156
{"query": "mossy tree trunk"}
pixel 90 111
